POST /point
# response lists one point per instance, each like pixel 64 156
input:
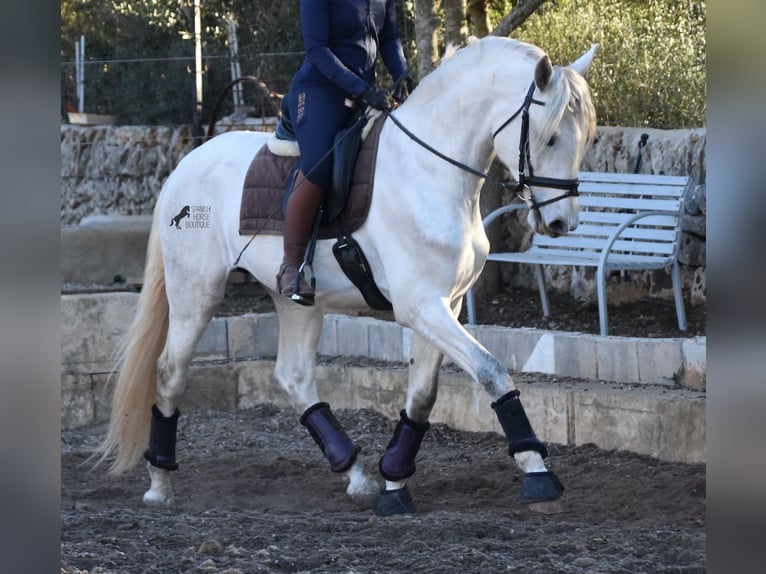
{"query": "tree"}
pixel 426 35
pixel 455 21
pixel 521 11
pixel 478 16
pixel 456 16
pixel 139 53
pixel 649 71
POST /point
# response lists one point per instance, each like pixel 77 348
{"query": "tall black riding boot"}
pixel 300 214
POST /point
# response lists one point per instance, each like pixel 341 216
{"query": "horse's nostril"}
pixel 558 227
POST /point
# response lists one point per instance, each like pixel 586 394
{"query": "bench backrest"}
pixel 608 200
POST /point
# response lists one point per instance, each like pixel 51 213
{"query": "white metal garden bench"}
pixel 627 222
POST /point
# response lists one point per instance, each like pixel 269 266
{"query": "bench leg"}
pixel 541 287
pixel 469 303
pixel 601 288
pixel 678 293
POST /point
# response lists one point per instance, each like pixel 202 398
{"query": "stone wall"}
pixel 654 402
pixel 107 170
pixel 116 169
pixel 121 169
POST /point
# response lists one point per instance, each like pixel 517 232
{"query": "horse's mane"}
pixel 568 91
pixel 494 43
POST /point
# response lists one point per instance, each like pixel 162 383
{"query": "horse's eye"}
pixel 552 141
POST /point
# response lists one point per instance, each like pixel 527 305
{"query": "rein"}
pixel 570 185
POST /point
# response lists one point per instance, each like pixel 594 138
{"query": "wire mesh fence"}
pixel 161 91
pixel 650 70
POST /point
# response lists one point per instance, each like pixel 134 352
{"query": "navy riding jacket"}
pixel 342 39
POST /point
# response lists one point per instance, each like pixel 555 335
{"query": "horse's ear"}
pixel 582 64
pixel 543 73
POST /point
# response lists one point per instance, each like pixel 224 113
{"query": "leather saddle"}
pixel 269 180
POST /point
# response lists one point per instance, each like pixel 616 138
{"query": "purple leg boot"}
pixel 330 436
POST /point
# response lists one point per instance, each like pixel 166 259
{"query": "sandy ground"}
pixel 254 494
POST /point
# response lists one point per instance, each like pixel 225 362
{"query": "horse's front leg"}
pixel 438 323
pixel 299 331
pixel 398 462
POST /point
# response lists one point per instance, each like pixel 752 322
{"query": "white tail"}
pixel 135 391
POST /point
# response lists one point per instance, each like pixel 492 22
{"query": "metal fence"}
pixel 161 91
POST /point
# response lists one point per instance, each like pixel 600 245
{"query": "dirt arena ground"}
pixel 255 495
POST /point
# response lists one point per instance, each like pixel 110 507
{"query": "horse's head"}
pixel 545 151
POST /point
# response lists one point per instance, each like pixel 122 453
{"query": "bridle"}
pixel 525 162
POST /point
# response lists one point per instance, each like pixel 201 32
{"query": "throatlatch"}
pixel 162 440
pixel 328 433
pixel 518 430
pixel 398 462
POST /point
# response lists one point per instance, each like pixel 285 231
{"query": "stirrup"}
pixel 295 287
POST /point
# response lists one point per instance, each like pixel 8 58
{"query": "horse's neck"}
pixel 452 125
pixel 456 136
pixel 456 110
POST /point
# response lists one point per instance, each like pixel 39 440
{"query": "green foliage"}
pixel 140 54
pixel 650 68
pixel 649 71
pixel 136 60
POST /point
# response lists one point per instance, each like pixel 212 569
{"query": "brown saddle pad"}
pixel 266 179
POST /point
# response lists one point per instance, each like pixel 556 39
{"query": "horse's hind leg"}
pixel 192 303
pixel 299 330
pixel 398 462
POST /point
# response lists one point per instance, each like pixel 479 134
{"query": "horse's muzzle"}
pixel 557 228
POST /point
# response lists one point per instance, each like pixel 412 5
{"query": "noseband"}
pixel 525 162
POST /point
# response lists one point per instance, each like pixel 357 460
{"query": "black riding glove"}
pixel 377 98
pixel 404 89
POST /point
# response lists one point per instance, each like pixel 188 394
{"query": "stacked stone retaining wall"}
pixel 121 169
pixel 642 395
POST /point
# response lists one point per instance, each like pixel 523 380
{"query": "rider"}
pixel 342 39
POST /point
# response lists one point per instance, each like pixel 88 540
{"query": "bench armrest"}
pixel 616 233
pixel 500 211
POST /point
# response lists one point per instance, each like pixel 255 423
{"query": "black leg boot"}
pixel 162 441
pixel 535 486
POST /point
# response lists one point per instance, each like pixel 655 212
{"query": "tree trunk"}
pixel 521 11
pixel 455 24
pixel 426 35
pixel 479 18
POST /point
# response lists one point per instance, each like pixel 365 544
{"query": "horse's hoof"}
pixel 540 487
pixel 547 507
pixel 366 500
pixel 362 489
pixel 393 502
pixel 364 493
pixel 158 499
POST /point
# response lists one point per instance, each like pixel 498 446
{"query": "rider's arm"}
pixel 391 44
pixel 315 26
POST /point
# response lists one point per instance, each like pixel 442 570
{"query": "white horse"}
pixel 424 242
